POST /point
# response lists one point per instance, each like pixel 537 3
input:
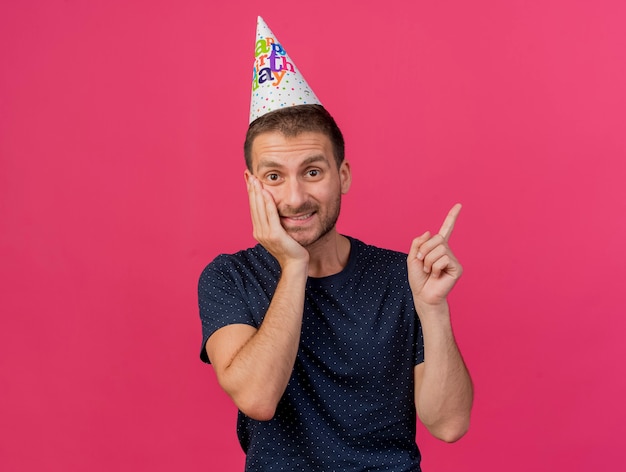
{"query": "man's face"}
pixel 301 174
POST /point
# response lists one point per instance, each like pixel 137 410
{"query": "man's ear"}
pixel 345 176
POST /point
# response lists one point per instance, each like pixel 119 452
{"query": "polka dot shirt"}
pixel 349 403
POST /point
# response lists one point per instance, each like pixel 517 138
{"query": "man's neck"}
pixel 329 256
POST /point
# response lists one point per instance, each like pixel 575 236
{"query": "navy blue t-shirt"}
pixel 349 405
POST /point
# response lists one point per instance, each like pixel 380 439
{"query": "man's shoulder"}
pixel 382 254
pixel 253 259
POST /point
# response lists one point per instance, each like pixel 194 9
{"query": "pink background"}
pixel 121 177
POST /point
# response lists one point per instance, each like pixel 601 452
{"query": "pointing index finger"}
pixel 448 223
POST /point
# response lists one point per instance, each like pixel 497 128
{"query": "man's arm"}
pixel 443 388
pixel 254 366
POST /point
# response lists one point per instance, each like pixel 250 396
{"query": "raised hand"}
pixel 267 229
pixel 433 268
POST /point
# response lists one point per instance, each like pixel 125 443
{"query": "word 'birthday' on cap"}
pixel 270 63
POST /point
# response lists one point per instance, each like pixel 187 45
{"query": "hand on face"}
pixel 433 268
pixel 266 226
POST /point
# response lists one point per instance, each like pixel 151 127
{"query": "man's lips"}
pixel 298 218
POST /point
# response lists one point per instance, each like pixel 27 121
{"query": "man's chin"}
pixel 302 239
pixel 307 239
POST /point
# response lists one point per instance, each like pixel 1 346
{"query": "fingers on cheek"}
pixel 263 202
pixel 252 196
pixel 270 206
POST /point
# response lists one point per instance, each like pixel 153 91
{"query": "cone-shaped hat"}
pixel 276 81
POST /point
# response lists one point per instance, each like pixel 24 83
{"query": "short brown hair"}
pixel 291 121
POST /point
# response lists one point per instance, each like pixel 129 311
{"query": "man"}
pixel 329 347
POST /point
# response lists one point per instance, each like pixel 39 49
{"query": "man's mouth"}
pixel 301 217
pixel 297 218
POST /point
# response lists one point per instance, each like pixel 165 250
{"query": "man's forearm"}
pixel 258 373
pixel 445 395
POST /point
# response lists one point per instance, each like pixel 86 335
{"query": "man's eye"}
pixel 313 172
pixel 272 177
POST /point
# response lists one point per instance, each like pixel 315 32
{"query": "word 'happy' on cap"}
pixel 276 81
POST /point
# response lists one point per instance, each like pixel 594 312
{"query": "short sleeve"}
pixel 221 300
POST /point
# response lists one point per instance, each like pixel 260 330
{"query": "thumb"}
pixel 417 242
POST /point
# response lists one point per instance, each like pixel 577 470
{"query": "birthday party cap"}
pixel 276 81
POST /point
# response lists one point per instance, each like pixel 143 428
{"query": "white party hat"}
pixel 276 81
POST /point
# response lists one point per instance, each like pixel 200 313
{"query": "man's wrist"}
pixel 432 310
pixel 293 267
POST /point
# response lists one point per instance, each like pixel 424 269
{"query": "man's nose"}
pixel 294 193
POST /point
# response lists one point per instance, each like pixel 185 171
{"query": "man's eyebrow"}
pixel 269 163
pixel 314 159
